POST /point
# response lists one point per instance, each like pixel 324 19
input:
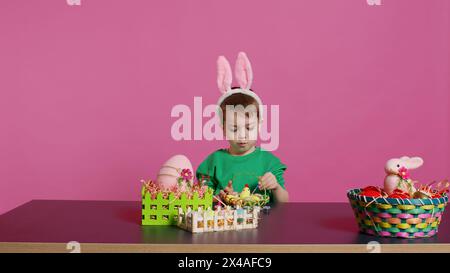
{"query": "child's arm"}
pixel 274 180
pixel 269 181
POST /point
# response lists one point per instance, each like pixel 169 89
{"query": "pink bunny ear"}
pixel 224 76
pixel 243 71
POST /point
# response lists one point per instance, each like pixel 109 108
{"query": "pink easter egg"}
pixel 170 171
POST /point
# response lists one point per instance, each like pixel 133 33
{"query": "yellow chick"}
pixel 245 192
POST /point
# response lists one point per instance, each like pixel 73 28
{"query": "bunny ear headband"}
pixel 244 76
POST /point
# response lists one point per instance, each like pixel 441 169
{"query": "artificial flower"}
pixel 186 174
pixel 403 173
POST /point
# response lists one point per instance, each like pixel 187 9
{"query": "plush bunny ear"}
pixel 243 71
pixel 224 75
pixel 414 163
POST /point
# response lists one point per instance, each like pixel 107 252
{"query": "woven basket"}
pixel 392 217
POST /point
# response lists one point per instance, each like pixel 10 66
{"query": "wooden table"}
pixel 114 226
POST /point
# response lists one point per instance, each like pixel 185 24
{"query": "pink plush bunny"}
pixel 397 172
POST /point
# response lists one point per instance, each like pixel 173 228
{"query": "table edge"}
pixel 33 247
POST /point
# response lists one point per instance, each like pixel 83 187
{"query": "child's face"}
pixel 241 131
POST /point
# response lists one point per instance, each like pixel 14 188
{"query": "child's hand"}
pixel 229 188
pixel 268 181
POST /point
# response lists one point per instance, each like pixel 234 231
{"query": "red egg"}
pixel 399 194
pixel 371 191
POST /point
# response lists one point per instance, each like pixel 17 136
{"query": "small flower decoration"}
pixel 403 173
pixel 154 189
pixel 186 174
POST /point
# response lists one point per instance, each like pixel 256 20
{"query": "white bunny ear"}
pixel 224 75
pixel 414 162
pixel 243 71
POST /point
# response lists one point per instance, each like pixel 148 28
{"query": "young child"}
pixel 242 163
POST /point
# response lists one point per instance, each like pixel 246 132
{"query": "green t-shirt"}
pixel 222 167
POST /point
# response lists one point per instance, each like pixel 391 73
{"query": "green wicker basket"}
pixel 392 217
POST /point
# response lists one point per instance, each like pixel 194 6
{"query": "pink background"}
pixel 86 92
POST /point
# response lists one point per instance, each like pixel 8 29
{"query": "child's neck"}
pixel 232 152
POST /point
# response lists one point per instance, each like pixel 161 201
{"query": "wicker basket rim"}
pixel 353 194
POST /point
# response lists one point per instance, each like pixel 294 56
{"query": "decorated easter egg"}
pixel 175 167
pixel 372 191
pixel 398 193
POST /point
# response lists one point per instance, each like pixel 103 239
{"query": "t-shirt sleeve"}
pixel 278 169
pixel 205 171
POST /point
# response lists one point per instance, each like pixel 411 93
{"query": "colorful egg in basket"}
pixel 395 217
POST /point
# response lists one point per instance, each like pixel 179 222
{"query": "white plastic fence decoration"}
pixel 218 220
